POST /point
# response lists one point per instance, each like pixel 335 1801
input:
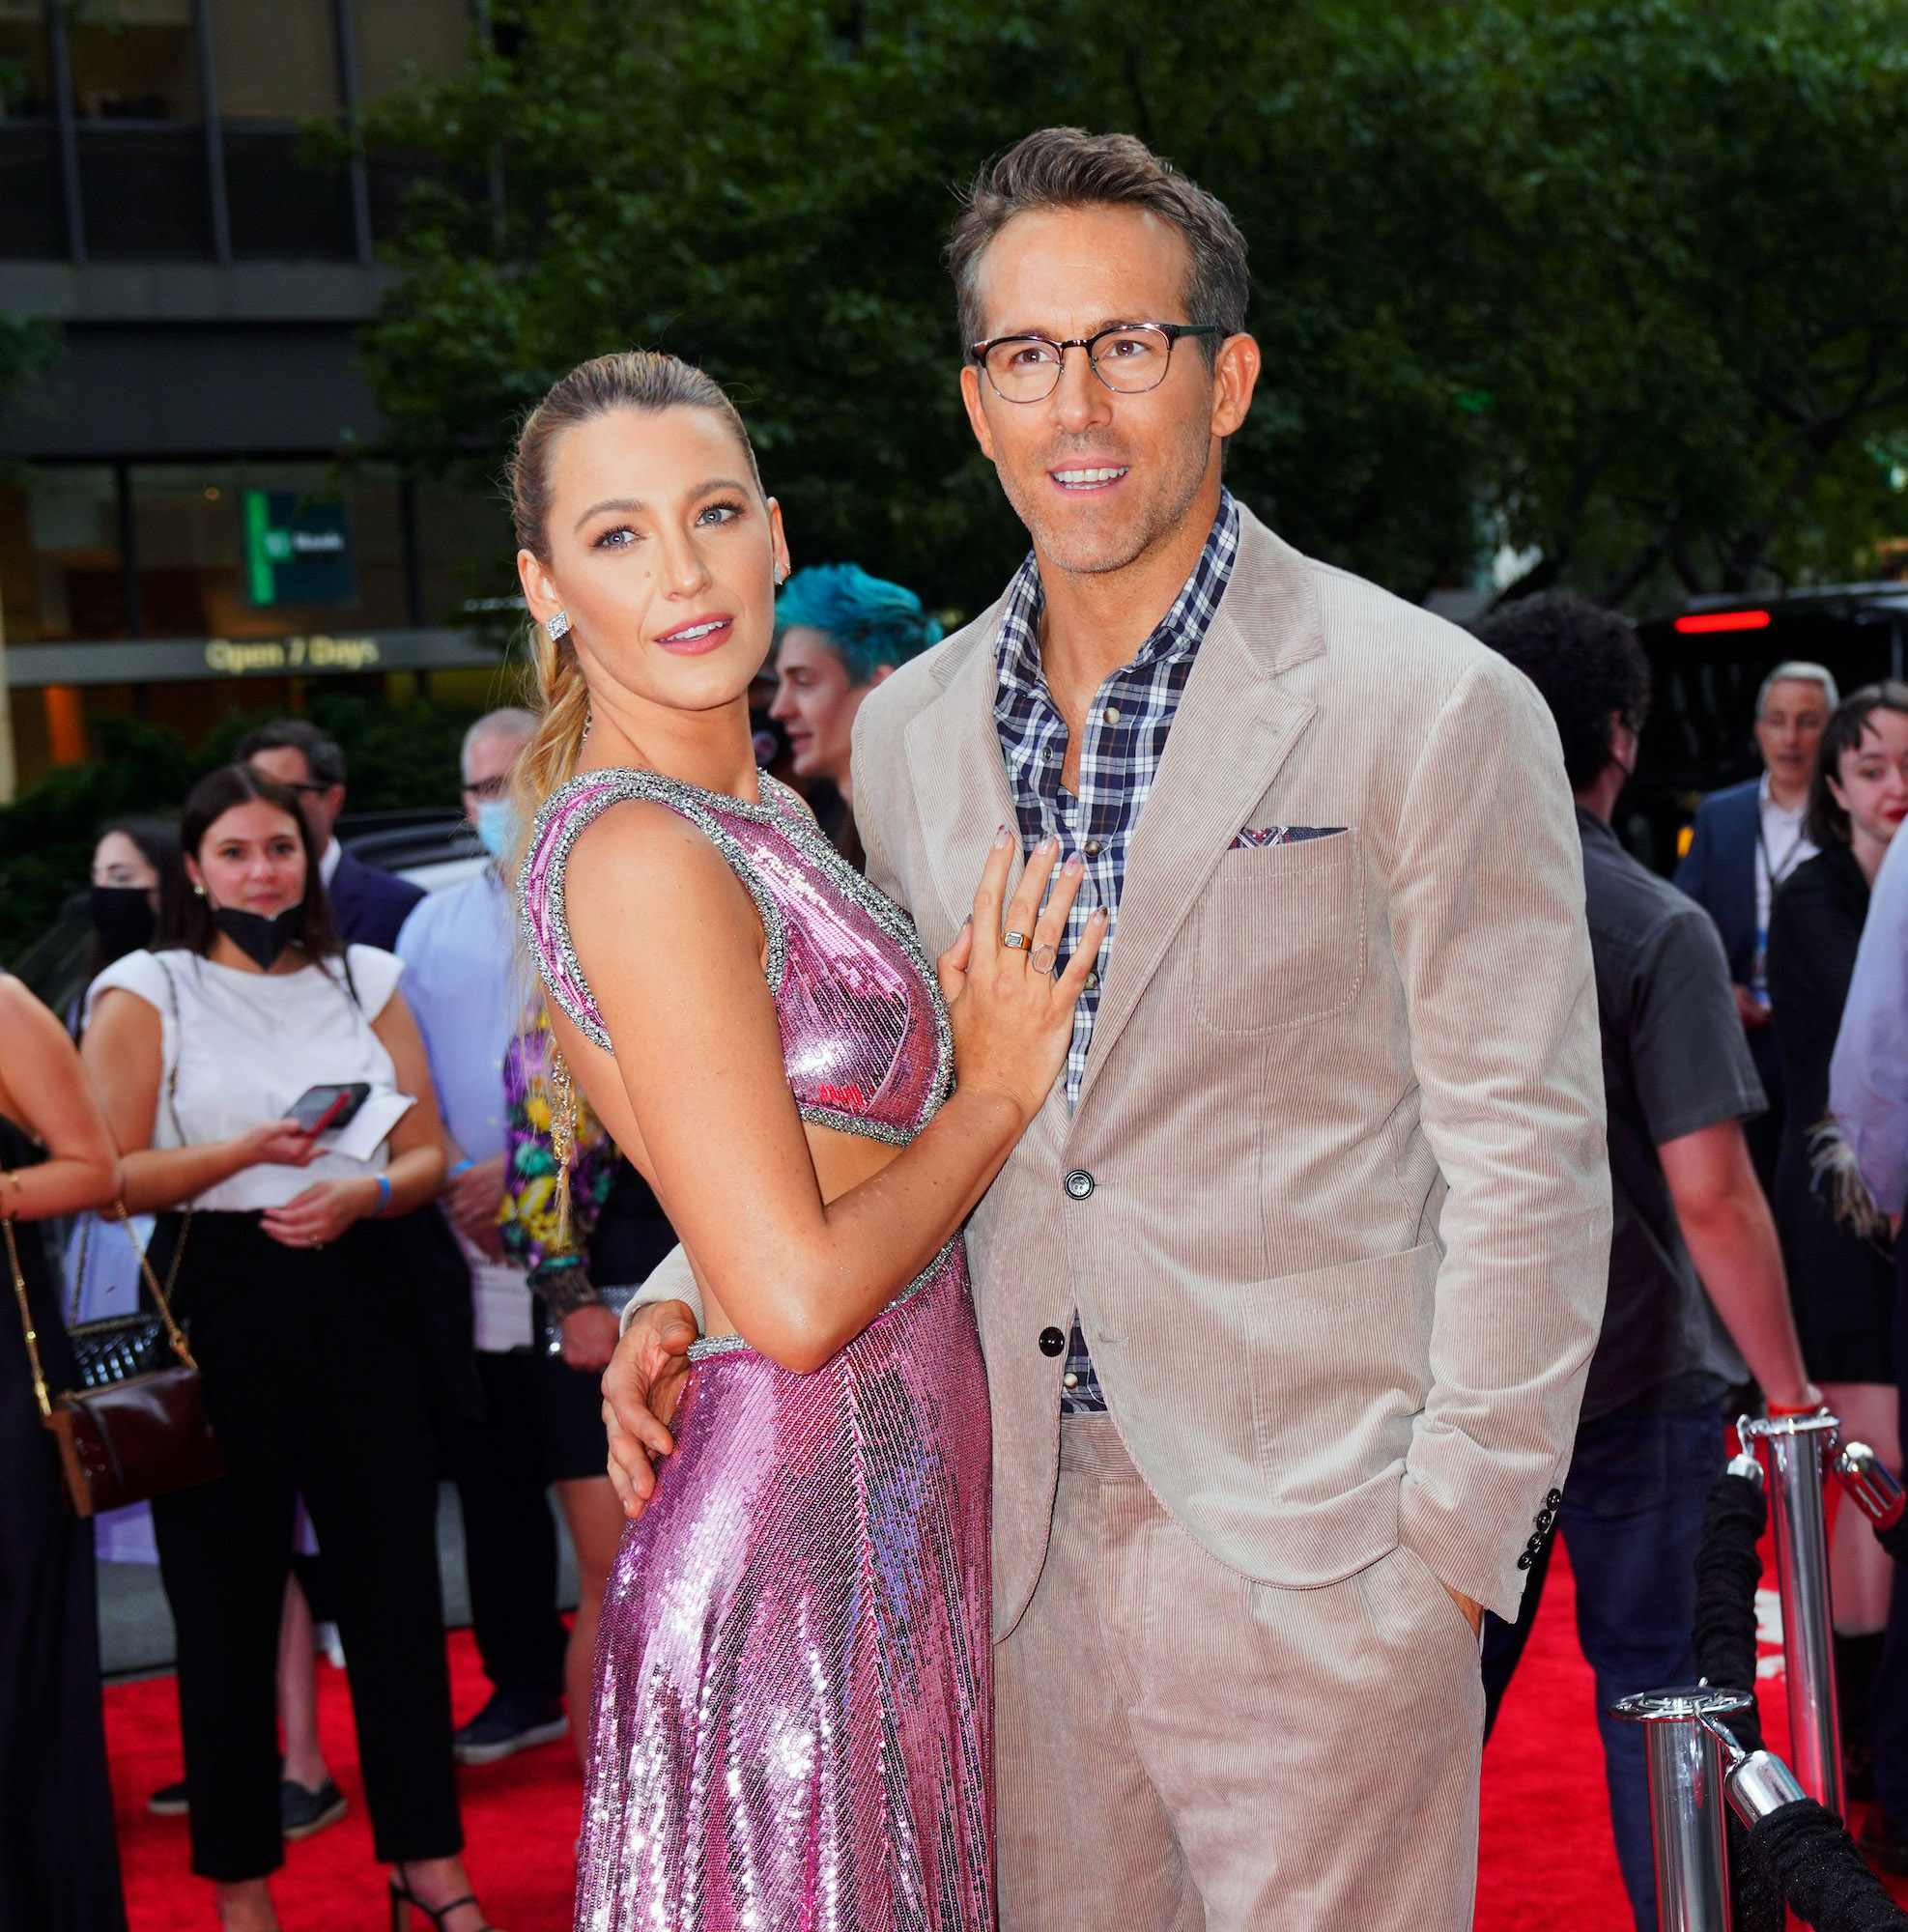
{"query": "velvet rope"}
pixel 1807 1853
pixel 1729 1570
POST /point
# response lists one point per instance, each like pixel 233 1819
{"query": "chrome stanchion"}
pixel 1688 1793
pixel 1796 1448
pixel 1870 1483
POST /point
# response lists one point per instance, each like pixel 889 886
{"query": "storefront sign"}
pixel 269 654
pixel 168 660
pixel 298 549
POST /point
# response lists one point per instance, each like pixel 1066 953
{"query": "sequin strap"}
pixel 565 816
pixel 733 1344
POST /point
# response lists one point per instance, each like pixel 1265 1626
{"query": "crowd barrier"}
pixel 1784 1848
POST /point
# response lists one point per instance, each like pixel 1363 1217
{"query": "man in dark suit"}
pixel 368 905
pixel 1748 839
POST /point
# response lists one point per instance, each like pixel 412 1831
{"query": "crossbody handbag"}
pixel 133 1429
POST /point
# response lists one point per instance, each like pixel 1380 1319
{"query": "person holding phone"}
pixel 295 1257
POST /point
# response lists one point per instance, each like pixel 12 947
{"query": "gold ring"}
pixel 1015 941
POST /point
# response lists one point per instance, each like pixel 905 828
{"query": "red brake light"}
pixel 1723 621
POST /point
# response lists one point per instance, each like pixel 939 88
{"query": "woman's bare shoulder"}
pixel 641 870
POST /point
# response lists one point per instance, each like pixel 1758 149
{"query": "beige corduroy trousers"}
pixel 1180 1747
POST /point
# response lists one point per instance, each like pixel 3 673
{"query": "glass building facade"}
pixel 184 495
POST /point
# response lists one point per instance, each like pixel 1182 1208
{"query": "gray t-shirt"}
pixel 1675 1059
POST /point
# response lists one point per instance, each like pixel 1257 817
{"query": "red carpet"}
pixel 1545 1857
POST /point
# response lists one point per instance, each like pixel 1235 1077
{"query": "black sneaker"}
pixel 509 1723
pixel 168 1800
pixel 303 1811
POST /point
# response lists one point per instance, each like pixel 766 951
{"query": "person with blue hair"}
pixel 838 632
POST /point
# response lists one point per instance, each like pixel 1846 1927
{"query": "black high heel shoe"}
pixel 403 1901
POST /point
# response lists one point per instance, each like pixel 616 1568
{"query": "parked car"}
pixel 1707 662
pixel 432 845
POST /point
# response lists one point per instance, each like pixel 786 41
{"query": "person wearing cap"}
pixel 1749 837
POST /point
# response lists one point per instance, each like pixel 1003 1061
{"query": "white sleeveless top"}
pixel 246 1045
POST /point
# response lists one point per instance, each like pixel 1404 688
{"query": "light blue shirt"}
pixel 1869 1076
pixel 460 980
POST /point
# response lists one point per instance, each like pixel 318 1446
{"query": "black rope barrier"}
pixel 1798 1852
pixel 1728 1572
pixel 1805 1851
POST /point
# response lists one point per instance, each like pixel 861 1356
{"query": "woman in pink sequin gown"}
pixel 792 1728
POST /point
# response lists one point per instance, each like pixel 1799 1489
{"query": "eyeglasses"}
pixel 1130 358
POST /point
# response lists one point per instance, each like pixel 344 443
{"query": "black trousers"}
pixel 316 1381
pixel 542 1425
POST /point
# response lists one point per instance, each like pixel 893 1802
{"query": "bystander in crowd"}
pixel 1696 1275
pixel 1840 1265
pixel 1868 1097
pixel 296 1260
pixel 541 1425
pixel 59 1864
pixel 838 632
pixel 1748 838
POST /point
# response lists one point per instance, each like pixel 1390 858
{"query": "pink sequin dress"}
pixel 793 1720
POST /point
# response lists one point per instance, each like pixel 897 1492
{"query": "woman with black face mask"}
pixel 135 884
pixel 296 1260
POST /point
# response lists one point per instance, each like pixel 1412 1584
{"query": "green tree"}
pixel 1623 285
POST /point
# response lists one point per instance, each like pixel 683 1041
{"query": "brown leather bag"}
pixel 129 1441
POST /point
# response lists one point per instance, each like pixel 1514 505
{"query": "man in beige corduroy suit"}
pixel 1288 1294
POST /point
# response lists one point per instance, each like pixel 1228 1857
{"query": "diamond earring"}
pixel 559 626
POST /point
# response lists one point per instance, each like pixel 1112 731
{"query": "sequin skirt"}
pixel 794 1726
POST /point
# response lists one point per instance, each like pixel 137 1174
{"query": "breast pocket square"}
pixel 1255 836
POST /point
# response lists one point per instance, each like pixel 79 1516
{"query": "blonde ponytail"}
pixel 648 382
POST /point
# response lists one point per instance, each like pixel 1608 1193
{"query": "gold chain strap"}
pixel 26 1319
pixel 563 1135
pixel 173 1333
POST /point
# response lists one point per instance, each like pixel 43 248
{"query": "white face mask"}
pixel 496 825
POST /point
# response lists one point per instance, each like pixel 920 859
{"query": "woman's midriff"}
pixel 841 1163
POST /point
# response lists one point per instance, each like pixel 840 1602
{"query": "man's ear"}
pixel 882 673
pixel 976 415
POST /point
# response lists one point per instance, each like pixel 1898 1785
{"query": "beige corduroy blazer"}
pixel 1343 1258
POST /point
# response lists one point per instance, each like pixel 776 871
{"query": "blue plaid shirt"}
pixel 1125 738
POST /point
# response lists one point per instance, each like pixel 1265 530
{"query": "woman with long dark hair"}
pixel 1841 1277
pixel 59 1867
pixel 291 1267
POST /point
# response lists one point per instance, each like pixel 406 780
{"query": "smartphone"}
pixel 319 1108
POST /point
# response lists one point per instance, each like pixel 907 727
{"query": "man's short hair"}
pixel 507 720
pixel 868 621
pixel 1067 167
pixel 323 758
pixel 1586 663
pixel 1796 671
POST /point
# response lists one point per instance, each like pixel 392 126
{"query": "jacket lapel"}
pixel 1235 728
pixel 960 777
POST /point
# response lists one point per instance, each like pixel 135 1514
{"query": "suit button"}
pixel 1052 1342
pixel 1078 1184
pixel 1552 1500
pixel 1524 1561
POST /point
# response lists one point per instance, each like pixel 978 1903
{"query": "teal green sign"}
pixel 298 549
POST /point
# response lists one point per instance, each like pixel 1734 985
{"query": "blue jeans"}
pixel 1631 1517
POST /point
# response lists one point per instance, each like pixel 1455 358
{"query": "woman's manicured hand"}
pixel 1013 1016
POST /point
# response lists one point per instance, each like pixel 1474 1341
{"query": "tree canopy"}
pixel 1618 288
